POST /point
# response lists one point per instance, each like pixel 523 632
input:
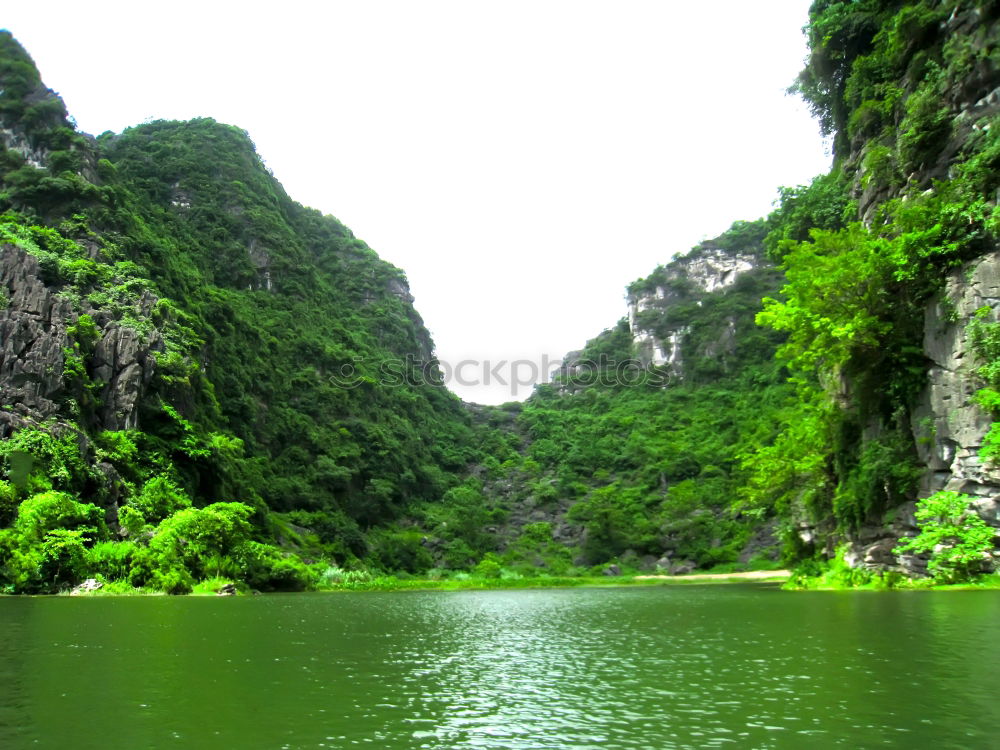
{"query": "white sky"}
pixel 522 161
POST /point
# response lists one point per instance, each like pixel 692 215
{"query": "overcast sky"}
pixel 521 161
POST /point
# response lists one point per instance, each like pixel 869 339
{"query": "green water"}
pixel 682 666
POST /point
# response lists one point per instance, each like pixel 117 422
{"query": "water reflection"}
pixel 743 666
pixel 15 625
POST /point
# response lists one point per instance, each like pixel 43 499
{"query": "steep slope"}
pixel 176 331
pixel 892 319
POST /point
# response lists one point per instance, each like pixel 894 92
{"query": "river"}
pixel 699 666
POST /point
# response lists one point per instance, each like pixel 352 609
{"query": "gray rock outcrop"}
pixel 34 340
pixel 87 587
pixel 948 425
pixel 709 269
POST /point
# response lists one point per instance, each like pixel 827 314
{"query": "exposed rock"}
pixel 179 198
pixel 948 426
pixel 228 589
pixel 647 563
pixel 872 545
pixel 122 360
pixel 34 156
pixel 400 289
pixel 762 543
pixel 612 570
pixel 261 260
pixel 32 339
pixel 972 100
pixel 682 567
pixel 709 269
pixel 91 584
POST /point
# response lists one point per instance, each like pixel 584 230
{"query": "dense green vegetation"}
pixel 258 312
pixel 889 82
pixel 911 195
pixel 648 462
pixel 292 432
pixel 958 540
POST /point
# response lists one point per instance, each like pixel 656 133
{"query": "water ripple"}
pixel 691 667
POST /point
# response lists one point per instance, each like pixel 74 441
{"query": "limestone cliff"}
pixel 910 93
pixel 33 336
pixel 663 309
pixel 947 423
pixel 37 328
pixel 705 271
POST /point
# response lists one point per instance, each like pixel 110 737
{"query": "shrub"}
pixel 111 560
pixel 266 567
pixel 194 535
pixel 402 551
pixel 959 540
pixel 131 522
pixel 47 511
pixel 160 497
pixel 39 459
pixel 8 504
pixel 489 567
pixel 175 580
pixel 63 558
pixel 160 569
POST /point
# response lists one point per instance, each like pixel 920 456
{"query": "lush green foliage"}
pixel 853 307
pixel 291 434
pixel 958 540
pixel 254 309
pixel 631 469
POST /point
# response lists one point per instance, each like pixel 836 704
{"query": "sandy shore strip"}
pixel 750 575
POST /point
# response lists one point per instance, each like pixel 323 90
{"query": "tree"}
pixel 959 540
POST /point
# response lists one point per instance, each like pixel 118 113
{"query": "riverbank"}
pixel 223 586
pixel 882 583
pixel 390 583
pixel 788 579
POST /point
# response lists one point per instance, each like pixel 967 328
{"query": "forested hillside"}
pixel 190 354
pixel 633 456
pixel 203 381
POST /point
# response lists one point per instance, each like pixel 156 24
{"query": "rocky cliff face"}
pixel 161 283
pixel 36 342
pixel 969 100
pixel 708 269
pixel 946 85
pixel 948 425
pixel 33 338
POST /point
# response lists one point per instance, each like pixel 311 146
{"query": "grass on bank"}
pixel 837 575
pixel 341 580
pixel 834 579
pixel 392 583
